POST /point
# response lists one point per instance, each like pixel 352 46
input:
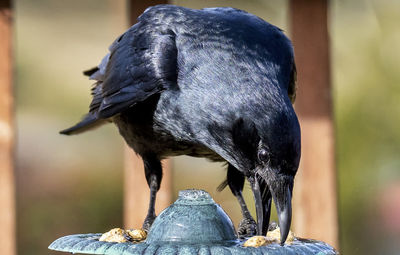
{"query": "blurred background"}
pixel 69 185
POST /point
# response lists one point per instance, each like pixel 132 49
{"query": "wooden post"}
pixel 136 191
pixel 7 198
pixel 315 201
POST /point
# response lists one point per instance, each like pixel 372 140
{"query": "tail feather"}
pixel 90 121
pixel 91 71
pixel 222 186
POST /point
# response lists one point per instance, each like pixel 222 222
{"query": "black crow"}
pixel 216 83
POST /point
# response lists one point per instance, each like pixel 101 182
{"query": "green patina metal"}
pixel 194 224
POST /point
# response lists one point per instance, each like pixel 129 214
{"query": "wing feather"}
pixel 141 63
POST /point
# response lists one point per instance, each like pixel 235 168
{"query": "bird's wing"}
pixel 141 63
pixel 293 83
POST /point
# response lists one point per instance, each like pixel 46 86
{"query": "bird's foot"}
pixel 272 226
pixel 247 228
pixel 148 222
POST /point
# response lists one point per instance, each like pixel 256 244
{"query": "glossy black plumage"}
pixel 214 83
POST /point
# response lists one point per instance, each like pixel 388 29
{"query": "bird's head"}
pixel 271 149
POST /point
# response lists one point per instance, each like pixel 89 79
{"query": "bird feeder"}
pixel 194 224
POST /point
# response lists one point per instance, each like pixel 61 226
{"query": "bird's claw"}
pixel 247 228
pixel 148 222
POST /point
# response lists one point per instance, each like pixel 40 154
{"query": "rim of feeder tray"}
pixel 194 224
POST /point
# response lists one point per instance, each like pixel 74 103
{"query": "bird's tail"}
pixel 222 186
pixel 90 121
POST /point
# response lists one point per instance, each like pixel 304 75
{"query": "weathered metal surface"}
pixel 194 224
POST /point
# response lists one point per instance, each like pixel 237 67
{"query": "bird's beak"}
pixel 283 203
pixel 281 190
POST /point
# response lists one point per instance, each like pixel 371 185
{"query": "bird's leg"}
pixel 247 226
pixel 153 172
pixel 255 186
pixel 266 201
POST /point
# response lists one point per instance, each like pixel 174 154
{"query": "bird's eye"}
pixel 262 155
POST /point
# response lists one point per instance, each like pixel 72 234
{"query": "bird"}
pixel 217 83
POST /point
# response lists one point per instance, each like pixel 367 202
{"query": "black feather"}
pixel 89 122
pixel 91 71
pixel 215 83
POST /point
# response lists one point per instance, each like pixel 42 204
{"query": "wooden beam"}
pixel 315 201
pixel 136 191
pixel 137 7
pixel 7 198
